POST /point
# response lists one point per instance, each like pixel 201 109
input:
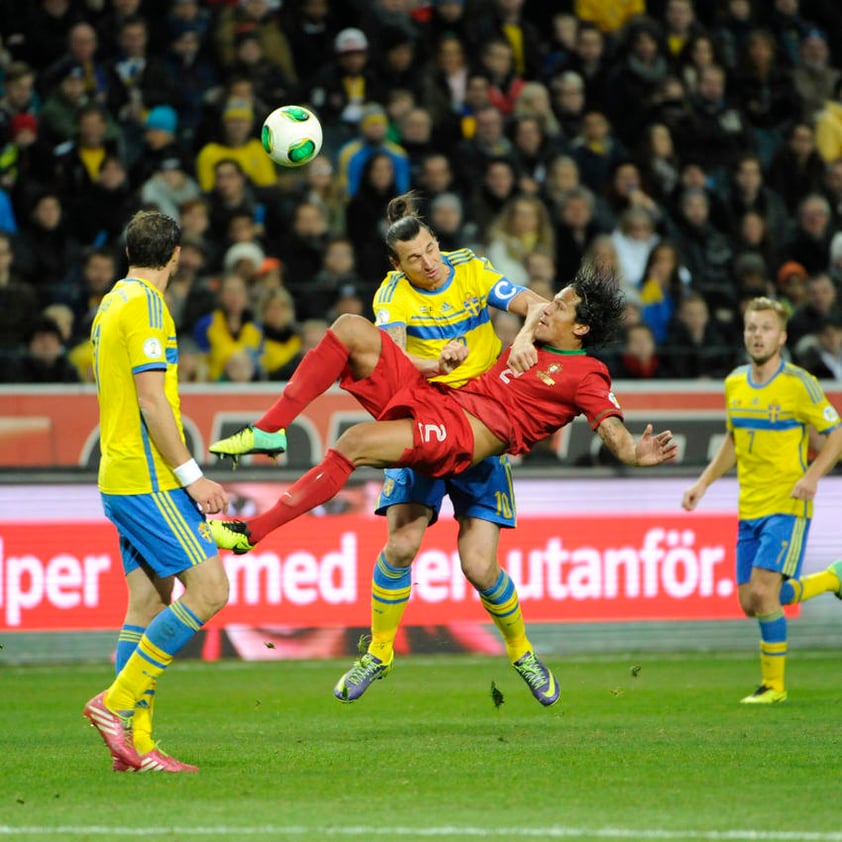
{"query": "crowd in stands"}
pixel 694 146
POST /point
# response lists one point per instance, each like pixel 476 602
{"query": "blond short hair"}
pixel 764 303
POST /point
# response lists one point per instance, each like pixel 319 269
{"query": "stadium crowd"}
pixel 695 146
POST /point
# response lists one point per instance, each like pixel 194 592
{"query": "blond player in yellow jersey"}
pixel 771 406
pixel 152 491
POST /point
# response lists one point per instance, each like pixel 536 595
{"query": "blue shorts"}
pixel 484 491
pixel 162 531
pixel 776 542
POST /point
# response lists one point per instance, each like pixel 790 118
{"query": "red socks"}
pixel 317 486
pixel 315 374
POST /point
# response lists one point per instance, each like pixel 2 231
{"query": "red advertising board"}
pixel 315 572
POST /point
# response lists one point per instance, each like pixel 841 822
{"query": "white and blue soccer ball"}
pixel 292 135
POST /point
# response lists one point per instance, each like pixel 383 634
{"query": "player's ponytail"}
pixel 404 222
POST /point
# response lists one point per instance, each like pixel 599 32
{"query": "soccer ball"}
pixel 292 135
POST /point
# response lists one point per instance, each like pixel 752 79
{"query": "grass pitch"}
pixel 660 752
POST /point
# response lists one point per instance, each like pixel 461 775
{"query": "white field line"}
pixel 554 832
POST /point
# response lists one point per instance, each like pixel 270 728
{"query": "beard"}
pixel 761 359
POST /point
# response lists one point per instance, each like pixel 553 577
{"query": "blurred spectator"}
pixel 788 27
pixel 706 252
pixel 244 259
pixel 110 21
pixel 575 228
pixel 82 52
pixel 716 132
pixel 310 29
pixel 435 177
pixel 634 238
pixel 680 25
pixel 323 188
pixel 365 214
pixel 596 151
pixel 699 52
pixel 523 225
pixel 46 24
pixel 45 359
pixel 814 78
pixel 822 301
pixel 99 272
pixel 589 60
pixel 809 241
pixel 348 301
pixel 766 94
pixel 488 143
pixel 664 284
pixel 312 332
pixel 695 347
pixel 638 359
pixel 342 87
pixel 568 100
pixel 355 154
pixel 635 77
pixel 534 101
pixel 159 143
pixel 752 276
pixel 232 193
pixel 658 162
pixel 270 276
pixel 78 161
pixel 746 192
pixel 792 285
pixel 237 144
pixel 836 259
pixel 190 294
pixel 821 352
pixel 416 137
pixel 796 168
pixel 169 187
pixel 302 249
pixel 240 367
pixel 752 235
pixel 97 216
pixel 45 251
pixel 496 63
pixel 194 218
pixel 253 16
pixel 398 52
pixel 491 193
pixel 505 19
pixel 445 17
pixel 141 79
pixel 732 31
pixel 19 307
pixel 18 96
pixel 231 327
pixel 447 219
pixel 625 190
pixel 541 272
pixel 185 60
pixel 445 79
pixel 58 116
pixel 533 152
pixel 192 367
pixel 281 341
pixel 338 270
pixel 270 82
pixel 609 15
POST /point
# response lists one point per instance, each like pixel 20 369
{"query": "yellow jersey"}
pixel 133 331
pixel 457 311
pixel 770 423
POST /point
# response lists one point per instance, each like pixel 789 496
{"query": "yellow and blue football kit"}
pixel 770 425
pixel 457 311
pixel 158 522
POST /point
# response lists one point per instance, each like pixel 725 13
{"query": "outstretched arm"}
pixel 649 449
pixel 725 459
pixel 523 354
pixel 452 355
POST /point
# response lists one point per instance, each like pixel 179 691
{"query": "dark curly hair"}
pixel 602 304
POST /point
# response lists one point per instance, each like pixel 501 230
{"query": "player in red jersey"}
pixel 522 399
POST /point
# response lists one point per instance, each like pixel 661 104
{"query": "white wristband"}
pixel 188 473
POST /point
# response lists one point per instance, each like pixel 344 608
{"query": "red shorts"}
pixel 442 436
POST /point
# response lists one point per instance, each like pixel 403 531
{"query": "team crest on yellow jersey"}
pixel 546 376
pixel 388 486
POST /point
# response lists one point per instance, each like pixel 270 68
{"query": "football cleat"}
pixel 764 695
pixel 836 570
pixel 155 761
pixel 250 440
pixel 357 680
pixel 541 681
pixel 231 535
pixel 115 730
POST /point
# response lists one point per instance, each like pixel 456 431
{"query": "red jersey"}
pixel 523 409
